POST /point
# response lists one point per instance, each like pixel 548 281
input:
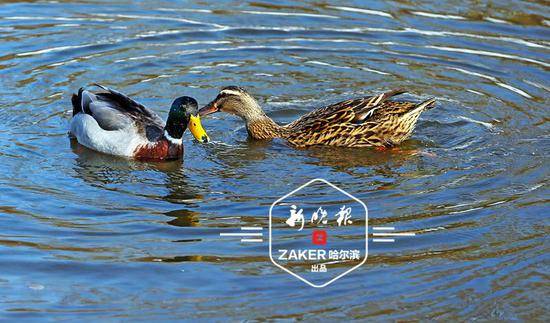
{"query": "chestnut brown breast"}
pixel 160 150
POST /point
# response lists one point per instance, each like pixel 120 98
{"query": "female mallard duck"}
pixel 112 123
pixel 365 122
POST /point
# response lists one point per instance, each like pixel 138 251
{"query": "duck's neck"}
pixel 262 127
pixel 172 140
pixel 175 127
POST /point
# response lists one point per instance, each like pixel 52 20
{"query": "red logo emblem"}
pixel 319 237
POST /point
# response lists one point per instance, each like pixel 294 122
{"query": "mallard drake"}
pixel 112 123
pixel 371 121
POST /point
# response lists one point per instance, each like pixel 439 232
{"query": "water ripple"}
pixel 360 10
pixel 487 53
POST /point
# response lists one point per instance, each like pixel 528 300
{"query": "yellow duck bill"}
pixel 197 130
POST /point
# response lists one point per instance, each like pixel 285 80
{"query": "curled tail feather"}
pixel 427 105
pixel 419 108
pixel 391 93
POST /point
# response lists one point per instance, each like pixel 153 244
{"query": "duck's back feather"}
pixel 128 106
pixel 106 112
pixel 115 111
pixel 367 121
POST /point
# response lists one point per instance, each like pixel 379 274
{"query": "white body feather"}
pixel 122 142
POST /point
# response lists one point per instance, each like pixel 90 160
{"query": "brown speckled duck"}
pixel 372 121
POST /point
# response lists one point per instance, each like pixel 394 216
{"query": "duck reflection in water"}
pixel 118 174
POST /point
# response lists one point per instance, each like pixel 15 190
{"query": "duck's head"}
pixel 185 113
pixel 234 100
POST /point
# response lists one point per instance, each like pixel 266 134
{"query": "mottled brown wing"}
pixel 337 122
pixel 389 123
pixel 376 106
pixel 324 113
pixel 318 126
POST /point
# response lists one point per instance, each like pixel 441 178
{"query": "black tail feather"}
pixel 76 99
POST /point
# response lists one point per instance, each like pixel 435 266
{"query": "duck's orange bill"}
pixel 208 109
pixel 197 130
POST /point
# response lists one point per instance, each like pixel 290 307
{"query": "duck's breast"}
pixel 159 150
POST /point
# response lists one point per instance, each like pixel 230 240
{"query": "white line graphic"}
pixel 383 228
pixel 247 234
pixel 252 240
pixel 391 234
pixel 237 234
pixel 383 240
pixel 387 236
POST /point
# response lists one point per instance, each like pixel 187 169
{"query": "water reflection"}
pixel 184 218
pixel 347 160
pixel 107 171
